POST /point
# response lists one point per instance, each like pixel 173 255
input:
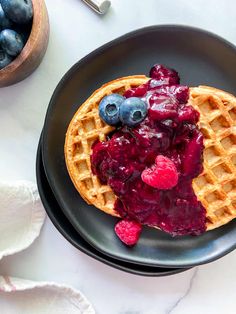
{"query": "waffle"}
pixel 85 128
pixel 215 187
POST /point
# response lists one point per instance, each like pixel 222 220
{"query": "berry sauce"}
pixel 170 130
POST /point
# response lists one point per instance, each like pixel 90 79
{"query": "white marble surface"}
pixel 75 31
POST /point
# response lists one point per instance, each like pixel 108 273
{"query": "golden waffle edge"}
pixel 215 187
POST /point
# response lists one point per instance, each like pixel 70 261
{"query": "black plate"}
pixel 66 229
pixel 201 58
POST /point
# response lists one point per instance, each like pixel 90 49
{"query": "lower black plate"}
pixel 67 230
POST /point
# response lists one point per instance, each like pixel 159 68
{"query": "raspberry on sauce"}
pixel 162 175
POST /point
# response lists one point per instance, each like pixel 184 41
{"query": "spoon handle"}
pixel 100 6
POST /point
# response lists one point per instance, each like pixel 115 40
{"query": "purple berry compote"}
pixel 169 129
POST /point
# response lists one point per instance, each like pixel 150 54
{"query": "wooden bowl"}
pixel 33 51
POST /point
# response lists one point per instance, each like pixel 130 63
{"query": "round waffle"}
pixel 215 187
pixel 85 128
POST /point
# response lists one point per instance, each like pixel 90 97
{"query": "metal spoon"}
pixel 100 6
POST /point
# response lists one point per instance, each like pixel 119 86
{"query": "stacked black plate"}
pixel 200 58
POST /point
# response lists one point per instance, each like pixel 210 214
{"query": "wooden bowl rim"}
pixel 31 41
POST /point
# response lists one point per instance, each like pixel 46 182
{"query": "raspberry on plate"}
pixel 128 231
pixel 163 175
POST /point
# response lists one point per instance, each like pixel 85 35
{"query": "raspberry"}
pixel 128 231
pixel 168 76
pixel 139 91
pixel 162 107
pixel 163 175
pixel 191 159
pixel 188 114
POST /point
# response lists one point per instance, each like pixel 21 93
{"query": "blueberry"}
pixel 109 108
pixel 11 42
pixel 5 59
pixel 132 111
pixel 23 30
pixel 19 11
pixel 4 21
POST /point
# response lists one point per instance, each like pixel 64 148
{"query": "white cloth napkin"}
pixel 21 216
pixel 21 219
pixel 28 297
